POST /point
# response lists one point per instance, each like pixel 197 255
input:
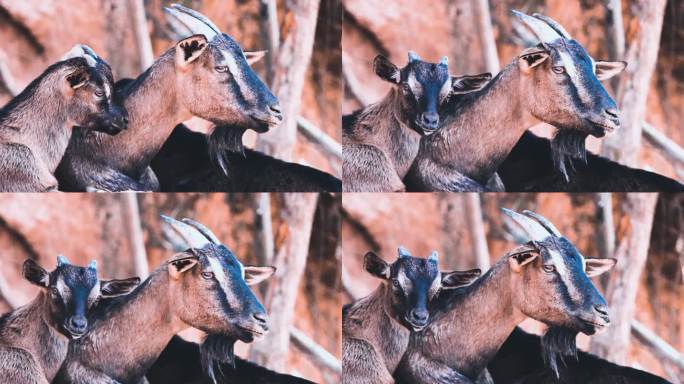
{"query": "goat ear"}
pixel 469 83
pixel 607 69
pixel 255 275
pixel 531 58
pixel 118 287
pixel 455 279
pixel 253 57
pixel 518 260
pixel 386 70
pixel 35 274
pixel 376 266
pixel 78 78
pixel 595 267
pixel 180 265
pixel 189 49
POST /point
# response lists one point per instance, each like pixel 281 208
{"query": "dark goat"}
pixel 193 161
pixel 381 140
pixel 520 361
pixel 376 328
pixel 35 126
pixel 528 169
pixel 180 364
pixel 34 338
pixel 205 75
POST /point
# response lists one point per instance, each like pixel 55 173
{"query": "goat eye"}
pixel 396 283
pixel 207 275
pixel 99 93
pixel 549 268
pixel 558 70
pixel 54 291
pixel 221 68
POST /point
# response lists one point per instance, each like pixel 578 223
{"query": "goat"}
pixel 527 169
pixel 205 75
pixel 35 126
pixel 179 363
pixel 34 337
pixel 521 361
pixel 193 161
pixel 556 82
pixel 546 279
pixel 381 140
pixel 376 328
pixel 205 287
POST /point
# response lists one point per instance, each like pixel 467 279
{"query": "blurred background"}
pixel 297 233
pixel 302 66
pixel 645 232
pixel 481 36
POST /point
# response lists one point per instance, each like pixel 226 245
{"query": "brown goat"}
pixel 376 328
pixel 35 126
pixel 381 140
pixel 34 338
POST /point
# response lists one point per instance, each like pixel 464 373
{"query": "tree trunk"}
pixel 638 210
pixel 296 218
pixel 633 91
pixel 292 62
pixel 486 34
pixel 477 232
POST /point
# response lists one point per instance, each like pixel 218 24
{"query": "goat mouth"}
pixel 75 335
pixel 266 123
pixel 594 325
pixel 416 327
pixel 601 128
pixel 254 332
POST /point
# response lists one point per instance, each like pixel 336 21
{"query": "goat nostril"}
pixel 78 323
pixel 602 309
pixel 612 112
pixel 419 315
pixel 260 317
pixel 430 118
pixel 275 108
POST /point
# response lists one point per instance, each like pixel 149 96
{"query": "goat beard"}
pixel 557 344
pixel 225 141
pixel 214 351
pixel 566 146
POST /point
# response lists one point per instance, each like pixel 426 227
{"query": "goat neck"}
pixel 381 125
pixel 370 318
pixel 30 328
pixel 45 128
pixel 153 111
pixel 482 128
pixel 114 337
pixel 459 327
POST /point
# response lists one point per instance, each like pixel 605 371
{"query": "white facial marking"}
pixel 220 276
pixel 404 281
pixel 62 288
pixel 445 90
pixel 94 293
pixel 414 85
pixel 563 272
pixel 436 285
pixel 229 61
pixel 571 70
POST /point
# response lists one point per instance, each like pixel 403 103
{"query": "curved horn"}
pixel 543 31
pixel 403 252
pixel 203 230
pixel 80 50
pixel 444 61
pixel 553 24
pixel 92 265
pixel 544 222
pixel 534 230
pixel 62 260
pixel 433 256
pixel 193 21
pixel 412 56
pixel 192 236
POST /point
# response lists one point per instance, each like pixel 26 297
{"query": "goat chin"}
pixel 216 349
pixel 557 344
pixel 566 146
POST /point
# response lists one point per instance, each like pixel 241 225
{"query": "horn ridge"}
pixel 553 24
pixel 203 230
pixel 539 28
pixel 189 234
pixel 544 222
pixel 534 230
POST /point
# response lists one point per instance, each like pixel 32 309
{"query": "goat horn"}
pixel 403 252
pixel 544 222
pixel 62 260
pixel 412 56
pixel 194 21
pixel 553 24
pixel 92 265
pixel 80 50
pixel 433 256
pixel 444 61
pixel 203 230
pixel 534 230
pixel 192 236
pixel 541 30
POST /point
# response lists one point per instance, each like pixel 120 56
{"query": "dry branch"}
pixel 486 34
pixel 134 234
pixel 270 33
pixel 6 294
pixel 353 84
pixel 7 80
pixel 660 347
pixel 477 231
pixel 641 56
pixel 638 210
pixel 329 146
pixel 142 34
pixel 666 146
pixel 319 355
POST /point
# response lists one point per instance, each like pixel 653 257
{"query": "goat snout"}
pixel 602 310
pixel 429 120
pixel 77 325
pixel 260 318
pixel 419 316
